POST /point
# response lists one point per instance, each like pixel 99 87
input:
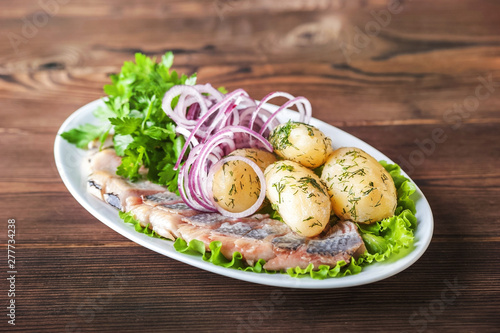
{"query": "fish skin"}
pixel 206 220
pixel 257 243
pixel 228 233
pixel 179 208
pixel 235 229
pixel 96 183
pixel 168 218
pixel 113 200
pixel 206 227
pixel 161 198
pixel 343 237
pixel 164 222
pixel 341 242
pixel 116 191
pixel 290 241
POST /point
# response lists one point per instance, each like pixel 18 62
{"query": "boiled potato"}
pixel 236 186
pixel 361 189
pixel 299 196
pixel 301 143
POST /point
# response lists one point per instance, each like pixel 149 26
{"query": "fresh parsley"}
pixel 143 135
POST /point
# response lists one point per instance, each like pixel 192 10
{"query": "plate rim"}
pixel 286 281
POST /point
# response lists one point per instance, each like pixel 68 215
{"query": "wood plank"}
pixel 174 295
pixel 76 274
pixel 354 101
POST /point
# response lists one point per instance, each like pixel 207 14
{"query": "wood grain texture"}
pixel 75 274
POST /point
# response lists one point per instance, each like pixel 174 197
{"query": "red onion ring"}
pixel 217 107
pixel 214 125
pixel 305 115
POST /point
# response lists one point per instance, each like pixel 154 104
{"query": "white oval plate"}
pixel 70 160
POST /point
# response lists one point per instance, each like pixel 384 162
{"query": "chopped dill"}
pixel 365 193
pixel 315 224
pixel 355 154
pixel 350 174
pixel 279 138
pixel 384 177
pixel 285 167
pixel 232 190
pixel 251 157
pixel 230 203
pixel 305 181
pixel 279 188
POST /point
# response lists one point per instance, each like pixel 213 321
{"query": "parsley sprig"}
pixel 143 134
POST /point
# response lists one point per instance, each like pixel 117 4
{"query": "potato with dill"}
pixel 301 143
pixel 236 186
pixel 361 189
pixel 299 196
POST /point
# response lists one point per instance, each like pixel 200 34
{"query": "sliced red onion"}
pixel 190 96
pixel 181 90
pixel 208 89
pixel 231 130
pixel 216 108
pixel 185 133
pixel 258 171
pixel 305 114
pixel 265 100
pixel 193 177
pixel 214 125
pixel 187 191
pixel 201 167
pixel 186 194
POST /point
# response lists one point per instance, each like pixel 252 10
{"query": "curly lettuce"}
pixel 130 219
pixel 215 256
pixel 384 240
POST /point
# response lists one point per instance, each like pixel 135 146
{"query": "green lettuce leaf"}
pixel 214 256
pixel 324 271
pixel 129 218
pixel 386 239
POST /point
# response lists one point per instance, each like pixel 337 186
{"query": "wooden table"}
pixel 399 76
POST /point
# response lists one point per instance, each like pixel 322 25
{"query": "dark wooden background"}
pixel 393 90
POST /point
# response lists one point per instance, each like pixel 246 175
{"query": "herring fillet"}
pixel 255 237
pixel 116 191
pixel 341 242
